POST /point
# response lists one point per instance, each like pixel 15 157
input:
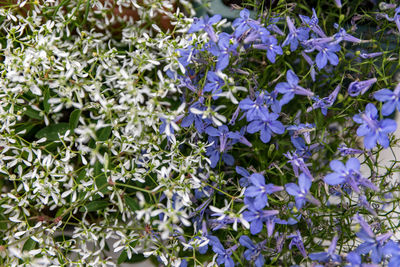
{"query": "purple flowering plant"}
pixel 310 128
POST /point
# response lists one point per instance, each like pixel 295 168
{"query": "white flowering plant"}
pixel 130 127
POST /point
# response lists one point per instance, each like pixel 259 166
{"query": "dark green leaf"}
pixel 104 133
pixel 34 114
pixel 132 204
pixel 122 258
pixel 94 205
pixel 100 178
pixel 74 119
pixel 51 132
pixel 29 245
pixel 46 98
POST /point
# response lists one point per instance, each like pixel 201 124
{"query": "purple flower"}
pixel 223 50
pixel 349 174
pixel 195 118
pixel 221 144
pixel 301 191
pixel 312 23
pixel 393 249
pixel 214 84
pixel 272 47
pixel 373 130
pixel 244 23
pixel 326 102
pixel 295 35
pixel 186 55
pixel 297 164
pixel 298 242
pixel 372 243
pixel 396 18
pixel 291 87
pixel 327 53
pixel 244 181
pixel 224 255
pixel 258 191
pixel 370 55
pixel 327 256
pixel 253 252
pixel 345 151
pixel 360 87
pixel 342 35
pixel 390 98
pixel 363 202
pixel 255 110
pixel 266 126
pixel 206 25
pixel 338 3
pixel 256 218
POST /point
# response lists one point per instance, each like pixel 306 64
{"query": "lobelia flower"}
pixel 199 124
pixel 396 18
pixel 221 137
pixel 311 63
pixel 372 243
pixel 214 84
pixel 338 3
pixel 244 181
pixel 290 88
pixel 257 33
pixel 223 50
pixel 363 202
pixel 373 130
pixel 256 218
pixel 253 252
pixel 186 55
pixel 327 256
pixel 206 25
pixel 224 255
pixel 326 102
pixel 301 192
pixel 297 164
pixel 267 125
pixel 295 35
pixel 273 27
pixel 244 23
pixel 393 249
pixel 345 151
pixel 298 242
pixel 312 23
pixel 342 35
pixel 255 110
pixel 370 55
pixel 360 87
pixel 257 194
pixel 391 100
pixel 272 47
pixel 327 53
pixel 349 174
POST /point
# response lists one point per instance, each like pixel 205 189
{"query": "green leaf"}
pixel 132 204
pixel 74 119
pixel 94 205
pixel 30 244
pixel 100 178
pixel 104 133
pixel 46 98
pixel 122 258
pixel 3 224
pixel 34 114
pixel 51 132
